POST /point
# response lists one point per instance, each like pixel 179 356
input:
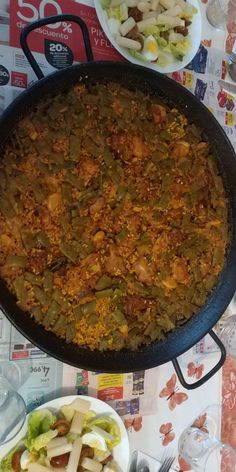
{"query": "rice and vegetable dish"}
pixel 113 217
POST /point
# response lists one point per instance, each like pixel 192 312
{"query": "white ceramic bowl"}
pixel 195 31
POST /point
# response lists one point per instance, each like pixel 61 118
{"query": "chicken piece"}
pixel 108 459
pixel 133 305
pixel 202 148
pixel 136 14
pixel 169 283
pixel 143 270
pixel 180 270
pixel 158 113
pixel 88 168
pixel 161 244
pixel 97 206
pixel 181 149
pixel 86 451
pixel 30 128
pixel 114 263
pixel 38 261
pixel 127 147
pixel 54 201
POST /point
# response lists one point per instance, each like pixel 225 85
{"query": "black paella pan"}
pixel 149 82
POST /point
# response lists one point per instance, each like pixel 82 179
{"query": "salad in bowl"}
pixel 160 34
pixel 70 438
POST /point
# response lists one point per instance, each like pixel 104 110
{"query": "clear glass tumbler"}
pixel 12 411
pixel 205 453
pixel 220 12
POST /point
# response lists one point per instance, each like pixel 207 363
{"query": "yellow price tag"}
pixel 229 119
pixel 110 380
pixel 187 79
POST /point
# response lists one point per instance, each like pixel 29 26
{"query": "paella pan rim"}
pixel 192 331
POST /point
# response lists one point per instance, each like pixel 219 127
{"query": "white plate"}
pixel 120 452
pixel 195 32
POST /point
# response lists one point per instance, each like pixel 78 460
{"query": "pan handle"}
pixel 209 374
pixel 50 20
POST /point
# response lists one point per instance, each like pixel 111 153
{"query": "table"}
pixel 154 412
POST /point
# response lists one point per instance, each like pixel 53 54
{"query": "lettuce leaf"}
pixel 138 55
pixel 5 464
pixel 110 426
pixel 39 423
pixel 42 440
pixel 105 4
pixel 180 49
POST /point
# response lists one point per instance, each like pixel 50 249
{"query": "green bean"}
pixel 121 191
pixel 28 239
pixel 112 204
pixel 52 314
pixel 114 176
pixel 81 117
pixel 91 147
pixel 104 293
pixel 65 221
pixel 122 234
pixel 118 341
pixel 117 294
pixel 132 192
pixel 47 280
pixel 163 201
pixel 88 308
pixel 78 313
pixel 165 135
pixel 21 291
pixel 87 246
pixel 44 169
pixel 218 256
pixel 75 144
pixel 73 180
pixel 43 239
pixel 70 332
pixel 16 262
pixel 39 191
pixel 54 309
pixel 156 214
pixel 103 282
pixel 40 295
pixel 141 288
pixel 93 319
pixel 33 279
pixel 108 157
pixel 60 299
pixel 37 313
pixel 69 251
pixel 156 292
pixel 55 158
pixel 143 240
pixel 60 325
pixel 209 282
pixel 119 317
pixel 6 207
pixel 66 192
pixel 75 212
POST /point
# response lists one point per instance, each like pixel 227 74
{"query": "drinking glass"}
pixel 227 335
pixel 220 12
pixel 204 453
pixel 12 411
